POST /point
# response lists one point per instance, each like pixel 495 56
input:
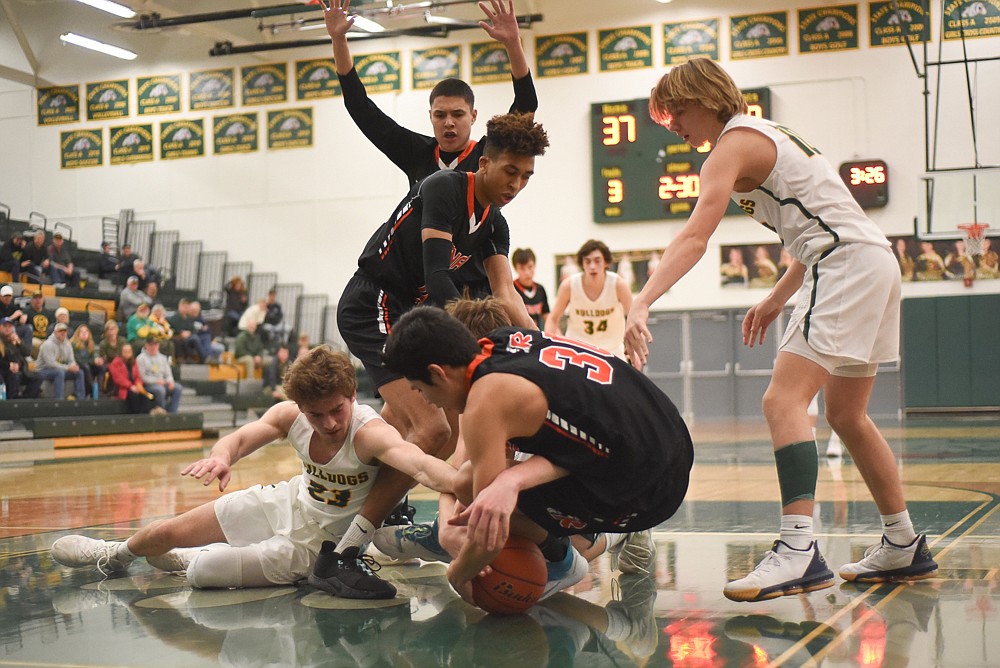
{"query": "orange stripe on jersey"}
pixel 471 199
pixel 392 232
pixel 451 165
pixel 487 349
pixel 584 443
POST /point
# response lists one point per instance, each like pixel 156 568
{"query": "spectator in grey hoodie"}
pixel 57 363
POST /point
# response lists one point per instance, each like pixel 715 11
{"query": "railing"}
pixel 35 216
pixel 259 284
pixel 287 294
pixel 241 269
pixel 139 235
pixel 187 264
pixel 4 211
pixel 68 234
pixel 162 253
pixel 211 273
pixel 310 318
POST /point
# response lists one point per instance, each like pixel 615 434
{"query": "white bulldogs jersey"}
pixel 803 199
pixel 600 322
pixel 334 492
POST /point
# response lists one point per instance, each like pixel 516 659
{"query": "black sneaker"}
pixel 348 575
pixel 401 515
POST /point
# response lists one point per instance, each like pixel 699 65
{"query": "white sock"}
pixel 124 552
pixel 614 539
pixel 898 528
pixel 796 531
pixel 359 534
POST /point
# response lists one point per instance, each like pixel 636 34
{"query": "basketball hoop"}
pixel 973 234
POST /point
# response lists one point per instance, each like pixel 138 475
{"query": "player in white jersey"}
pixel 273 534
pixel 595 300
pixel 845 323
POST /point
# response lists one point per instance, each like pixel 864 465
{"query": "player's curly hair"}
pixel 591 245
pixel 481 316
pixel 515 133
pixel 698 81
pixel 320 374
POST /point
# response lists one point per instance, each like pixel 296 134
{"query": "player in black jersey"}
pixel 532 293
pixel 446 234
pixel 452 102
pixel 611 451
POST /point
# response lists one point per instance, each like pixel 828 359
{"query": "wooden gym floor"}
pixel 51 616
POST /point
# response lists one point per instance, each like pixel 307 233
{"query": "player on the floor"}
pixel 453 108
pixel 272 534
pixel 615 454
pixel 845 323
pixel 597 300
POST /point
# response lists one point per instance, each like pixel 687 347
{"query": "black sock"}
pixel 554 548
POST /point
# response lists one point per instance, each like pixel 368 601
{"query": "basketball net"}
pixel 973 234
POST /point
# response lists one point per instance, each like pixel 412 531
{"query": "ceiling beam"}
pixel 15 26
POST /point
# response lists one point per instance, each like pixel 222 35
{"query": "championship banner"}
pixel 561 55
pixel 890 22
pixel 234 133
pixel 58 104
pixel 490 63
pixel 107 99
pixel 265 84
pixel 964 19
pixel 758 35
pixel 379 72
pixel 690 39
pixel 290 128
pixel 625 48
pixel 182 139
pixel 158 95
pixel 315 79
pixel 828 29
pixel 428 66
pixel 211 89
pixel 131 143
pixel 81 148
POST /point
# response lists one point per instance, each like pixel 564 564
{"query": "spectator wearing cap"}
pixel 130 298
pixel 38 257
pixel 39 318
pixel 19 381
pixel 56 362
pixel 62 315
pixel 107 264
pixel 61 268
pixel 11 309
pixel 157 378
pixel 12 256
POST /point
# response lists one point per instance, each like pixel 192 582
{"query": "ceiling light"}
pixel 93 44
pixel 110 7
pixel 663 2
pixel 367 24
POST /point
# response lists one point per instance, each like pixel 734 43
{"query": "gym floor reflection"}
pixel 51 616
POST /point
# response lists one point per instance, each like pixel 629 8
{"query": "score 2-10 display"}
pixel 642 171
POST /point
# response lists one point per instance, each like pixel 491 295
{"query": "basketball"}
pixel 516 581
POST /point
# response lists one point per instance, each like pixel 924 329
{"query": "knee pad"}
pixel 224 567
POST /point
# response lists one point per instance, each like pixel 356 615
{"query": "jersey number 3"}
pixel 598 368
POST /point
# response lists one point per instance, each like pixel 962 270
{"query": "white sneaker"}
pixel 637 600
pixel 174 561
pixel 834 447
pixel 635 554
pixel 888 561
pixel 411 541
pixel 565 573
pixel 782 572
pixel 66 601
pixel 80 551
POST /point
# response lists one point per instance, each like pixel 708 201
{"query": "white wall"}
pixel 307 213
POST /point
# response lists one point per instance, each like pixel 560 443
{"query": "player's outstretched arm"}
pixel 338 24
pixel 502 287
pixel 274 424
pixel 380 441
pixel 501 25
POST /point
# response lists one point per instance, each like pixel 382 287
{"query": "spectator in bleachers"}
pixel 157 378
pixel 12 256
pixel 303 346
pixel 125 262
pixel 11 309
pixel 209 349
pixel 256 312
pixel 145 274
pixel 62 315
pixel 274 373
pixel 107 264
pixel 137 330
pixel 88 357
pixel 57 363
pixel 250 350
pixel 130 298
pixel 152 290
pixel 127 383
pixel 21 382
pixel 39 318
pixel 112 341
pixel 38 258
pixel 160 327
pixel 187 344
pixel 62 271
pixel 276 330
pixel 236 303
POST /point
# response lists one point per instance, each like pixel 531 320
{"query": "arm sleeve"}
pixel 437 278
pixel 398 144
pixel 500 239
pixel 525 98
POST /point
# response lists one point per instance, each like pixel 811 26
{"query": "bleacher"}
pixel 215 398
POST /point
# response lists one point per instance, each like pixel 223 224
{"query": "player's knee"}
pixel 844 421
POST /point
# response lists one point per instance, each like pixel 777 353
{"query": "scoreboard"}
pixel 641 170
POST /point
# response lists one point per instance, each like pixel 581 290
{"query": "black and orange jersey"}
pixel 536 302
pixel 616 432
pixel 419 155
pixel 444 201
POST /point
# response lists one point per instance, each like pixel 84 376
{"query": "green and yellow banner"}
pixel 107 99
pixel 758 35
pixel 315 79
pixel 290 128
pixel 891 22
pixel 58 104
pixel 158 95
pixel 182 139
pixel 211 89
pixel 490 63
pixel 235 133
pixel 827 29
pixel 265 84
pixel 625 48
pixel 81 148
pixel 379 72
pixel 131 143
pixel 690 39
pixel 432 65
pixel 561 55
